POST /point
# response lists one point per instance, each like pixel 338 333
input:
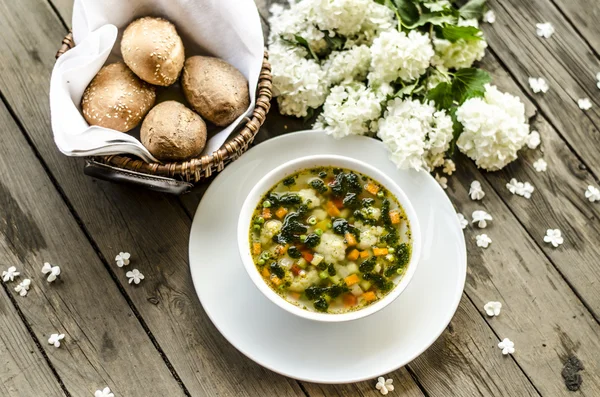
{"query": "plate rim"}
pixel 447 319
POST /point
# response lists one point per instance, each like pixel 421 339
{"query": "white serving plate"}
pixel 325 352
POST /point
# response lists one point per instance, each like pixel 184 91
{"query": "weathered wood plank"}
pixel 557 203
pixel 583 15
pixel 23 369
pixel 65 10
pixel 153 227
pixel 105 344
pixel 564 61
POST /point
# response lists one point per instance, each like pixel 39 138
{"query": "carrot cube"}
pixel 332 210
pixel 281 212
pixel 281 249
pixel 350 239
pixel 266 213
pixel 380 251
pixel 265 272
pixel 353 255
pixel 256 248
pixel 338 202
pixel 395 217
pixel 364 254
pixel 276 280
pixel 307 255
pixel 295 295
pixel 369 296
pixel 372 188
pixel 349 300
pixel 351 280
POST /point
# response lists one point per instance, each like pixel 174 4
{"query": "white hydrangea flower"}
pixel 554 237
pixel 55 339
pixel 348 65
pixel 538 85
pixel 297 20
pixel 379 19
pixel 462 53
pixel 345 17
pixel 384 386
pixel 11 273
pixel 533 140
pixel 416 135
pixel 449 167
pixel 475 191
pixel 104 393
pixel 298 82
pixel 544 30
pixel 495 128
pixel 520 188
pixel 540 165
pixel 52 271
pixel 592 194
pixel 134 276
pixel 122 259
pixel 442 180
pixel 489 16
pixel 462 221
pixel 483 240
pixel 492 308
pixel 481 217
pixel 349 110
pixel 584 103
pixel 507 346
pixel 23 287
pixel 396 55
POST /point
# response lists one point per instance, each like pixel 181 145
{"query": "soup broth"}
pixel 330 240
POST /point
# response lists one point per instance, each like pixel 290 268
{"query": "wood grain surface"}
pixel 155 339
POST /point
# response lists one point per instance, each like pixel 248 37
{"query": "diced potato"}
pixel 335 279
pixel 365 285
pixel 352 267
pixel 317 258
pixel 302 263
pixel 356 290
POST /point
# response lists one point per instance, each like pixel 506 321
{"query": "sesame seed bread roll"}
pixel 215 89
pixel 154 51
pixel 116 98
pixel 172 132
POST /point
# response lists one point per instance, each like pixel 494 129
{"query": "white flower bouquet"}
pixel 401 70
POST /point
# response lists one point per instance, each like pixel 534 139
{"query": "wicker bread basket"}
pixel 125 168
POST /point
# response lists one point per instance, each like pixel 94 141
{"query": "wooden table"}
pixel 155 339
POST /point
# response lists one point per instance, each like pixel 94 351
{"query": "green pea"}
pixel 399 271
pixel 324 274
pixel 303 237
pixel 266 204
pixel 318 232
pixel 312 220
pixel 380 194
pixel 260 262
pixel 391 250
pixel 257 227
pixel 329 225
pixel 259 220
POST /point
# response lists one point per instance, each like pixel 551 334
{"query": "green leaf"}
pixel 408 12
pixel 302 42
pixel 407 90
pixel 440 5
pixel 442 95
pixel 454 33
pixel 435 18
pixel 473 9
pixel 469 83
pixel 388 3
pixel 457 129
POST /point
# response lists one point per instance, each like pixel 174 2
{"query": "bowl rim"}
pixel 273 177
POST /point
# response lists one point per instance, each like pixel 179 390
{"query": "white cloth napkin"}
pixel 228 29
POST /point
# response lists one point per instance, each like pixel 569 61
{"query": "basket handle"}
pixel 119 175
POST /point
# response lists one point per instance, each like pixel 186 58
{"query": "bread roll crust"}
pixel 172 132
pixel 154 51
pixel 215 89
pixel 116 98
